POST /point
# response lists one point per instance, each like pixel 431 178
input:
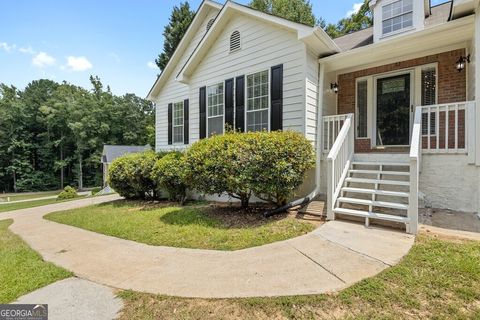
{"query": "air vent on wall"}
pixel 235 41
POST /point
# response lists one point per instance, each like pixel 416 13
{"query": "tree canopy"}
pixel 180 19
pixel 52 134
pixel 295 10
pixel 357 21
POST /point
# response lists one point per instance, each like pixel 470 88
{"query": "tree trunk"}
pixel 80 172
pixel 244 201
pixel 14 181
pixel 62 169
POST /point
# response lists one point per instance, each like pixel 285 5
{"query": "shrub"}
pixel 219 165
pixel 67 193
pixel 169 173
pixel 271 165
pixel 131 175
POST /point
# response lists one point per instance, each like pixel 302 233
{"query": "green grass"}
pixel 187 227
pixel 31 204
pixel 27 196
pixel 22 270
pixel 438 279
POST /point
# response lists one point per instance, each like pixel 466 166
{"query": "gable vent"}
pixel 235 41
pixel 209 24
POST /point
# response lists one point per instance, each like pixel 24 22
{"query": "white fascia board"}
pixel 442 35
pixel 189 34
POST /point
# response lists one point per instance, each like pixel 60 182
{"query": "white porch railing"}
pixel 415 164
pixel 331 128
pixel 447 128
pixel 339 159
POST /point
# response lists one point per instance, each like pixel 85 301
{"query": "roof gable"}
pixel 315 38
pixel 192 30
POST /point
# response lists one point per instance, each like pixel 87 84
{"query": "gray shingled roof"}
pixel 110 152
pixel 439 15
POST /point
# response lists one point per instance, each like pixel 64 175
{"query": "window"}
pixel 210 23
pixel 257 101
pixel 178 122
pixel 429 97
pixel 215 108
pixel 362 103
pixel 397 16
pixel 235 41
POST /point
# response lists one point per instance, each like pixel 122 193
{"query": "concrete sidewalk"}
pixel 332 257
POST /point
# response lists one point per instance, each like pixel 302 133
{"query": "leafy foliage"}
pixel 294 10
pixel 131 175
pixel 169 173
pixel 173 33
pixel 67 193
pixel 52 134
pixel 357 21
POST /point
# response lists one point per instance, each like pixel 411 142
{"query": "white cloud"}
pixel 356 7
pixel 78 63
pixel 28 50
pixel 152 65
pixel 43 60
pixel 6 47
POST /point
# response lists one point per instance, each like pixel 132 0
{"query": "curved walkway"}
pixel 332 257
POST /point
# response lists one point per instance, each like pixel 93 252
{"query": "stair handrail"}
pixel 339 159
pixel 415 165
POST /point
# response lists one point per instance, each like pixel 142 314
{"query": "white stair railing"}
pixel 331 128
pixel 415 164
pixel 339 159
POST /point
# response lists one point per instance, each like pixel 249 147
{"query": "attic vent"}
pixel 209 24
pixel 235 41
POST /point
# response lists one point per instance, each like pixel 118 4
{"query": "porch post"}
pixel 477 86
pixel 319 139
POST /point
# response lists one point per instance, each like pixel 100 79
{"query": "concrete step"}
pixel 382 172
pixel 378 181
pixel 371 215
pixel 377 192
pixel 365 202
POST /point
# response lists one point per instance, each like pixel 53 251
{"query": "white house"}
pixel 390 109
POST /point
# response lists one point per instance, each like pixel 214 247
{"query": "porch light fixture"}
pixel 334 87
pixel 462 61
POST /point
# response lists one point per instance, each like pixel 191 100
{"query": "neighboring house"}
pixel 390 109
pixel 111 153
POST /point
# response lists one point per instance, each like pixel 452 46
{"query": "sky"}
pixel 117 40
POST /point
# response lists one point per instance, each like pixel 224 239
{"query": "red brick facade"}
pixel 451 87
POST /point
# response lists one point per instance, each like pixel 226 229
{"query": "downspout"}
pixel 318 151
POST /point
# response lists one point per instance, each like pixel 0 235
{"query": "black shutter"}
pixel 229 103
pixel 276 111
pixel 170 128
pixel 203 112
pixel 185 121
pixel 240 104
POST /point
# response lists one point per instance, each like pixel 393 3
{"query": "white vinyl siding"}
pixel 397 16
pixel 215 109
pixel 263 46
pixel 178 119
pixel 311 96
pixel 258 101
pixel 176 91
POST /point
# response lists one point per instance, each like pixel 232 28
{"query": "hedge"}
pixel 169 173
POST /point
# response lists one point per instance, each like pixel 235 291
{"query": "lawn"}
pixel 192 226
pixel 22 270
pixel 438 279
pixel 28 195
pixel 30 204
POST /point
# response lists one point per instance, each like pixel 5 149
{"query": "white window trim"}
pixel 223 103
pixel 246 99
pixel 402 30
pixel 178 126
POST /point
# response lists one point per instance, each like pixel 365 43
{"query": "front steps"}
pixel 376 189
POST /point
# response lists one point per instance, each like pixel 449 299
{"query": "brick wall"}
pixel 451 84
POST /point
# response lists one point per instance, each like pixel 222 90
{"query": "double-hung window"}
pixel 215 109
pixel 257 101
pixel 178 122
pixel 396 16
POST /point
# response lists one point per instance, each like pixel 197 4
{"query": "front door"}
pixel 393 110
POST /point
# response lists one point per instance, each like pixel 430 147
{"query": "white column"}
pixel 477 86
pixel 319 138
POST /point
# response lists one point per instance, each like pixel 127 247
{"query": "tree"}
pixel 294 10
pixel 173 33
pixel 357 21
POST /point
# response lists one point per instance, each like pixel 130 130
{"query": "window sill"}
pixel 396 33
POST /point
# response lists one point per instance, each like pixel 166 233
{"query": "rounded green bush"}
pixel 67 193
pixel 169 173
pixel 131 175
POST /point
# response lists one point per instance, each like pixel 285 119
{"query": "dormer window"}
pixel 397 16
pixel 235 41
